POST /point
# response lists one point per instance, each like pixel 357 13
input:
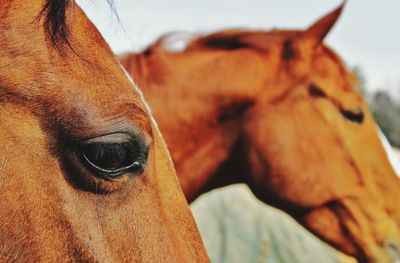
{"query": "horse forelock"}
pixel 54 13
pixel 55 20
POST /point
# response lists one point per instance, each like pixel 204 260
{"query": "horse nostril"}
pixel 354 115
pixel 392 247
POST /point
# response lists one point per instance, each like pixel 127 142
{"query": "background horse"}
pixel 84 173
pixel 278 111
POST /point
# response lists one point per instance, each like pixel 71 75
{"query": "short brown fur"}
pixel 51 208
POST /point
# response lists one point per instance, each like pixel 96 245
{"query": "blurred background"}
pixel 366 36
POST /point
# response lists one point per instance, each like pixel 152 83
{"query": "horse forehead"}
pixel 77 105
pixel 39 74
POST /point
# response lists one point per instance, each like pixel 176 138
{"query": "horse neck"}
pixel 199 99
pixel 212 75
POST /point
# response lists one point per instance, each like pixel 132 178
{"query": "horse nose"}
pixel 392 248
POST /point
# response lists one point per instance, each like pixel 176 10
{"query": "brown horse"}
pixel 278 111
pixel 84 173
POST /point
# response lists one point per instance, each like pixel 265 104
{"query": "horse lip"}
pixel 392 248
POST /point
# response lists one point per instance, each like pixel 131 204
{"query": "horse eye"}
pixel 356 115
pixel 112 160
pixel 315 91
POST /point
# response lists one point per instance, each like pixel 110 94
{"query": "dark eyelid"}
pixel 114 137
pixel 118 138
pixel 123 117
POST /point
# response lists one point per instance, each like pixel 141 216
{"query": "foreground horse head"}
pixel 84 173
pixel 282 105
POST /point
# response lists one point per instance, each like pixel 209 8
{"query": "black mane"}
pixel 226 43
pixel 225 40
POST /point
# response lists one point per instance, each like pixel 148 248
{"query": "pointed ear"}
pixel 318 31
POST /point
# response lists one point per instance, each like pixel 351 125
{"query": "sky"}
pixel 367 34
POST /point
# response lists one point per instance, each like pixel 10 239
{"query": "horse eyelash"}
pixel 100 149
pixel 133 148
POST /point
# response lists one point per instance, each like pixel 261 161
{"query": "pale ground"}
pixel 236 227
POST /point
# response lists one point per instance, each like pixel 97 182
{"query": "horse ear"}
pixel 318 31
